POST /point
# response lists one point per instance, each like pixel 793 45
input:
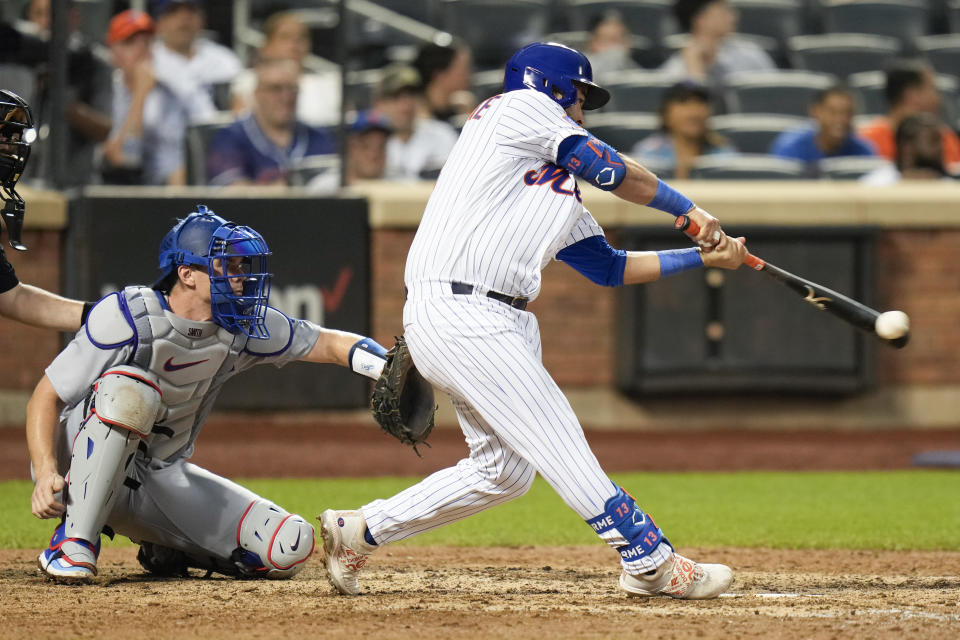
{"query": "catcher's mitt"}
pixel 402 400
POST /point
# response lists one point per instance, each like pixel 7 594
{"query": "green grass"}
pixel 875 510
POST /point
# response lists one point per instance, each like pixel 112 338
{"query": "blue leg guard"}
pixel 633 533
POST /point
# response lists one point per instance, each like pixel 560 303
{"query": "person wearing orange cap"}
pixel 149 117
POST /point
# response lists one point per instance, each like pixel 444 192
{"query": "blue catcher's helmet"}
pixel 553 69
pixel 204 239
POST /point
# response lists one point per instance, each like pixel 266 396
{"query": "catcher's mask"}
pixel 16 135
pixel 555 70
pixel 229 253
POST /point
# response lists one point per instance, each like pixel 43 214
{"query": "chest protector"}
pixel 190 360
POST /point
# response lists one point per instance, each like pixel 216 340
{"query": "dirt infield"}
pixel 570 592
pixel 414 592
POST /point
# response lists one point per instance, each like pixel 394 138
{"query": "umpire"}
pixel 24 302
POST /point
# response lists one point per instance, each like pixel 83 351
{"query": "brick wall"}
pixel 917 272
pixel 25 351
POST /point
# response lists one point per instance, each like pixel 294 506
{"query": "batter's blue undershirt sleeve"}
pixel 595 259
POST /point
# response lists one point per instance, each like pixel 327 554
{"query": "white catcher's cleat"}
pixel 69 560
pixel 680 578
pixel 346 550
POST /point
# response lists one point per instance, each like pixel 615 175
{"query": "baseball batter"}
pixel 505 204
pixel 138 382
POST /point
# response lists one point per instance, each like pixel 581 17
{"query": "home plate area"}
pixel 550 592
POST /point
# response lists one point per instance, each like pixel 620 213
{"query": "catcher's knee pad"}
pixel 272 542
pixel 633 533
pixel 129 398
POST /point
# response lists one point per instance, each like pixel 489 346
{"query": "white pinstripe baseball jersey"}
pixel 501 209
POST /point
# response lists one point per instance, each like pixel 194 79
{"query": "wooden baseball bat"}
pixel 859 315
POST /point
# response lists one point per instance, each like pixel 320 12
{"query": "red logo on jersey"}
pixel 556 176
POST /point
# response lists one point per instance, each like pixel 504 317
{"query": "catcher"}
pixel 138 382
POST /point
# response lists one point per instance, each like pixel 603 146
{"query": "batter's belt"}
pixel 517 302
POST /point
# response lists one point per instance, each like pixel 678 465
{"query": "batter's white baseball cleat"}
pixel 69 560
pixel 680 578
pixel 346 550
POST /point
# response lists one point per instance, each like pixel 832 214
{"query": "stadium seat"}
pixel 849 167
pixel 677 41
pixel 779 19
pixel 638 90
pixel 754 133
pixel 494 29
pixel 425 11
pixel 746 167
pixel 870 85
pixel 197 141
pixel 641 49
pixel 953 15
pixel 942 52
pixel 652 19
pixel 487 83
pixel 361 86
pixel 310 170
pixel 20 79
pixel 842 53
pixel 780 92
pixel 905 20
pixel 622 130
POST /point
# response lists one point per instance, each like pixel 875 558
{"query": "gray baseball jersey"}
pixel 167 500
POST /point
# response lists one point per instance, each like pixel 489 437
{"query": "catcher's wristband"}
pixel 366 357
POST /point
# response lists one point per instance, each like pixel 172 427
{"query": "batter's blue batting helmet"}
pixel 204 239
pixel 553 69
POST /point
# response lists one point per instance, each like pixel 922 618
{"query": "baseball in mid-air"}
pixel 891 325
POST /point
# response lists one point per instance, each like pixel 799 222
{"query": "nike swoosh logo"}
pixel 169 366
pixel 296 545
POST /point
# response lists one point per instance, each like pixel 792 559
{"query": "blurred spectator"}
pixel 419 145
pixel 87 106
pixel 367 136
pixel 186 62
pixel 447 75
pixel 919 153
pixel 609 46
pixel 710 53
pixel 367 147
pixel 831 134
pixel 260 148
pixel 149 119
pixel 685 135
pixel 288 37
pixel 911 88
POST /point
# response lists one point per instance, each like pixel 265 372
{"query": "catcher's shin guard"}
pixel 272 542
pixel 126 401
